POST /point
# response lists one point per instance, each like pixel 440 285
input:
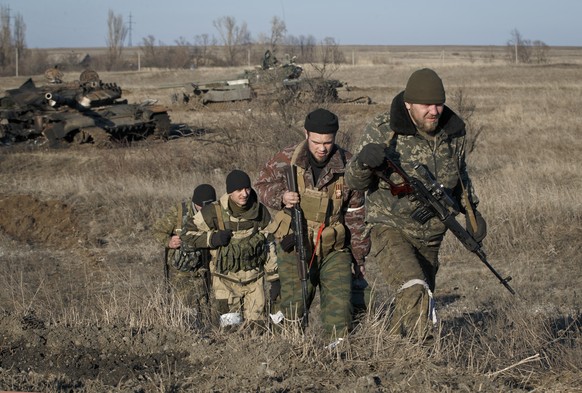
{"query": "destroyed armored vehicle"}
pixel 222 91
pixel 84 111
pixel 271 81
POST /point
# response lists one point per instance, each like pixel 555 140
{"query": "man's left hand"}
pixel 481 231
pixel 275 290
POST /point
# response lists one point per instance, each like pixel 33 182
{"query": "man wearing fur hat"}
pixel 334 216
pixel 234 228
pixel 184 268
pixel 418 129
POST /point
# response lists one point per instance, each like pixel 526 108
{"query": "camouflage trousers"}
pixel 333 276
pixel 191 289
pixel 409 266
pixel 244 291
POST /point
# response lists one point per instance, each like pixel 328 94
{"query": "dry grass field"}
pixel 82 305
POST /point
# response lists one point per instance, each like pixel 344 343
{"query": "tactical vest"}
pixel 246 249
pixel 185 259
pixel 322 211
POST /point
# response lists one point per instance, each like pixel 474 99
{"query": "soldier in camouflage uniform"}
pixel 184 267
pixel 419 128
pixel 234 228
pixel 335 222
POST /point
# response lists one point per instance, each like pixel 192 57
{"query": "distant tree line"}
pixel 232 46
pixel 521 50
pixel 235 47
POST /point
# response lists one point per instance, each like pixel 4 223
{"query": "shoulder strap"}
pixel 300 171
pixel 219 216
pixel 182 213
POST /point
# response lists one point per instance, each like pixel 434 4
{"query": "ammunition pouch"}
pixel 422 214
pixel 280 224
pixel 187 261
pixel 242 253
pixel 315 205
pixel 332 238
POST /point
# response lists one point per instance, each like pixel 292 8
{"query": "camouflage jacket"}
pixel 444 156
pixel 272 184
pixel 199 230
pixel 171 224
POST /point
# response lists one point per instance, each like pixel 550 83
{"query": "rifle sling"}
pixel 468 205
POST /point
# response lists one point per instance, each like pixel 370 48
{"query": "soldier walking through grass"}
pixel 186 269
pixel 418 129
pixel 234 227
pixel 334 216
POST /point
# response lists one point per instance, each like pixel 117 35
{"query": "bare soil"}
pixel 83 309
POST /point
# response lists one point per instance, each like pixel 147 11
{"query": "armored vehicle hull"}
pixel 82 112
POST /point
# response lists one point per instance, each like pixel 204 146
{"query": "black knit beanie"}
pixel 237 180
pixel 203 194
pixel 322 121
pixel 424 87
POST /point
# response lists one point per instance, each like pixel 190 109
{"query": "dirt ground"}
pixel 39 354
pixel 80 310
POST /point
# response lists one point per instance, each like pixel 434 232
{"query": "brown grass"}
pixel 107 270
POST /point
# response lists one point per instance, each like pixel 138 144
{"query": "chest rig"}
pixel 246 249
pixel 322 210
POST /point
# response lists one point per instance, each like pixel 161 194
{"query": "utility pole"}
pixel 130 29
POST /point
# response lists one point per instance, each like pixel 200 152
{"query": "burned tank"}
pixel 84 111
pixel 272 81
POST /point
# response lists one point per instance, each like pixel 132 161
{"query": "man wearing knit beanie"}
pixel 333 220
pixel 203 195
pixel 417 129
pixel 237 180
pixel 234 228
pixel 186 270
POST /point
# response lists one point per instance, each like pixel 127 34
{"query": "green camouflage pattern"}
pixel 401 259
pixel 405 250
pixel 444 157
pixel 189 287
pixel 333 275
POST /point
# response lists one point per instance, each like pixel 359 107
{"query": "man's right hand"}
pixel 290 199
pixel 372 155
pixel 220 238
pixel 288 242
pixel 175 242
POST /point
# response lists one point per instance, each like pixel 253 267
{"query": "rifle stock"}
pixel 300 245
pixel 435 201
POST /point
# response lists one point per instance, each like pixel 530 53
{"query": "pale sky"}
pixel 83 23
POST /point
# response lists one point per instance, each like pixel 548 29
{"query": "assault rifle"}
pixel 434 200
pixel 300 243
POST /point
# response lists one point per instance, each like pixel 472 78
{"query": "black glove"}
pixel 275 291
pixel 481 231
pixel 220 238
pixel 372 154
pixel 288 242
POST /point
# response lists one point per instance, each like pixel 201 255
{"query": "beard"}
pixel 427 124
